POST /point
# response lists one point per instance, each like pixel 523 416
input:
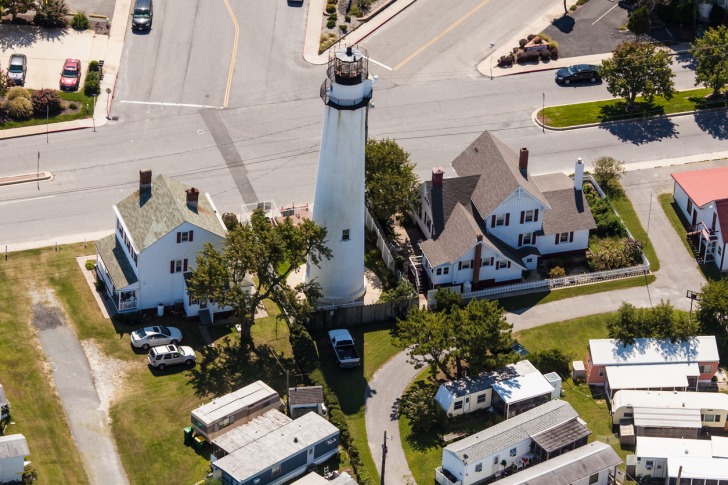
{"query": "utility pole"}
pixel 384 457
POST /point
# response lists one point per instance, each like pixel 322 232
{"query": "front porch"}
pixel 444 477
pixel 703 241
pixel 116 275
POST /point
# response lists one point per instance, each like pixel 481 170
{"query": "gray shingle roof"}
pixel 13 445
pixel 498 165
pixel 569 208
pixel 507 433
pixel 553 439
pixel 444 198
pixel 116 262
pixel 305 395
pixel 151 215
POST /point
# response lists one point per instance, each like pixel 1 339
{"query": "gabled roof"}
pixel 703 186
pixel 443 198
pixel 653 351
pixel 507 433
pixel 298 396
pixel 569 208
pixel 13 445
pixel 500 177
pixel 154 213
pixel 116 262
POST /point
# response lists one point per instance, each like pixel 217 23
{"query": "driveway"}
pixel 86 417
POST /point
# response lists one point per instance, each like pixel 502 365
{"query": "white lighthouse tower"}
pixel 339 199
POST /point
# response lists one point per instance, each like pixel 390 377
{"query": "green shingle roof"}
pixel 151 214
pixel 116 262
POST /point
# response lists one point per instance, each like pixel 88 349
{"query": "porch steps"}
pixel 205 318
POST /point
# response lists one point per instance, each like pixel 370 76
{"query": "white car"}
pixel 153 336
pixel 164 355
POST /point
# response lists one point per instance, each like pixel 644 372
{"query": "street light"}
pixel 492 45
pixel 93 115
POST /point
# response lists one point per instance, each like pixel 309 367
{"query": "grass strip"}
pixel 626 211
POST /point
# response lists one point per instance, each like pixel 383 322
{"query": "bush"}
pixel 554 52
pixel 506 61
pixel 347 18
pixel 330 8
pixel 551 360
pixel 19 108
pixel 304 348
pixel 331 24
pixel 72 105
pixel 532 56
pixel 545 55
pixel 51 13
pixel 522 42
pixel 557 272
pixel 79 21
pixel 419 406
pixel 230 220
pixel 90 265
pixel 355 11
pixel 530 37
pixel 91 87
pixel 46 101
pixel 30 475
pixel 326 41
pixel 343 27
pixel 5 83
pixel 18 92
pixel 93 66
pixel 546 38
pixel 521 57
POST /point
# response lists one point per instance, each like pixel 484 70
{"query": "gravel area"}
pixel 109 374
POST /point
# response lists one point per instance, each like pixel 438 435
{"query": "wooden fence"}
pixel 358 313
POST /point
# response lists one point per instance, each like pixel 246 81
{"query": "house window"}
pixel 710 418
pixel 458 405
pixel 649 464
pixel 528 260
pixel 177 266
pixel 345 235
pixel 513 452
pixel 486 262
pixel 479 467
pixel 276 470
pixel 446 270
pixel 185 236
pixel 502 264
pixel 564 237
pixel 594 478
pixel 601 372
pixel 527 238
pixel 481 399
pixel 528 216
pixel 466 264
pixel 706 369
pixel 690 206
pixel 500 220
pixel 438 272
pixel 495 459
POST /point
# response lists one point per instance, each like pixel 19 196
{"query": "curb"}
pixel 24 178
pixel 9 135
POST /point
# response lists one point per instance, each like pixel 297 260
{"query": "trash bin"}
pixel 198 442
pixel 188 435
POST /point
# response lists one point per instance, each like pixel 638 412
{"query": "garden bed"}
pixel 339 22
pixel 70 106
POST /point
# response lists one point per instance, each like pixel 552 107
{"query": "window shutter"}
pixel 184 265
pixel 179 237
pixel 472 263
pixel 171 265
pixel 535 216
pixel 523 216
pixel 491 260
pixel 192 233
pixel 497 266
pixel 508 218
pixel 533 238
pixel 520 236
pixel 571 236
pixel 492 223
pixel 556 239
pixel 460 265
pixel 509 264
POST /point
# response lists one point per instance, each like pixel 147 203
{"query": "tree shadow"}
pixel 686 61
pixel 19 36
pixel 715 123
pixel 53 35
pixel 565 23
pixel 652 126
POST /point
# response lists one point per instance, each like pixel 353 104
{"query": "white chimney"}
pixel 578 174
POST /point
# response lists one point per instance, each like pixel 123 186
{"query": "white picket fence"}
pixel 382 244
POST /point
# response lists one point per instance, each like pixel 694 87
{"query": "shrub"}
pixel 537 40
pixel 30 475
pixel 551 360
pixel 326 41
pixel 230 220
pixel 331 24
pixel 72 105
pixel 355 11
pixel 91 87
pixel 304 348
pixel 18 92
pixel 506 61
pixel 100 285
pixel 532 56
pixel 343 27
pixel 5 83
pixel 557 272
pixel 19 108
pixel 572 8
pixel 545 55
pixel 530 37
pixel 92 75
pixel 90 265
pixel 330 8
pixel 419 405
pixel 93 66
pixel 79 21
pixel 522 42
pixel 521 57
pixel 554 52
pixel 347 18
pixel 546 38
pixel 46 101
pixel 51 13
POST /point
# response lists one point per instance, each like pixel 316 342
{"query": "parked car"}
pixel 578 72
pixel 345 352
pixel 71 75
pixel 164 355
pixel 154 336
pixel 17 68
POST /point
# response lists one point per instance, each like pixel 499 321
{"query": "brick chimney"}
pixel 437 174
pixel 145 179
pixel 193 195
pixel 523 162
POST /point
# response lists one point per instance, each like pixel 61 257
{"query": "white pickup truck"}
pixel 344 350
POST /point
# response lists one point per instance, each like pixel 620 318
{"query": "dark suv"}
pixel 578 72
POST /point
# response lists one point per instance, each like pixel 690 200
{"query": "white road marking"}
pixel 379 64
pixel 183 105
pixel 600 18
pixel 27 200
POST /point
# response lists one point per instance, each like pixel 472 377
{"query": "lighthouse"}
pixel 339 199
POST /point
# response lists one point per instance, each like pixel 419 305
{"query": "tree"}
pixel 711 57
pixel 270 253
pixel 607 172
pixel 447 301
pixel 480 336
pixel 638 68
pixel 51 13
pixel 551 360
pixel 639 21
pixel 427 334
pixel 391 184
pixel 400 296
pixel 419 406
pixel 14 7
pixel 5 83
pixel 626 326
pixel 712 312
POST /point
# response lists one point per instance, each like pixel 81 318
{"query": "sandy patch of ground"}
pixel 109 374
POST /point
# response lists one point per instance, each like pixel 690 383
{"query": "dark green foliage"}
pixel 46 101
pixel 639 21
pixel 80 22
pixel 331 24
pixel 401 295
pixel 304 349
pixel 717 15
pixel 447 301
pixel 712 313
pixel 330 8
pixel 14 7
pixel 19 108
pixel 711 58
pixel 551 360
pixel 51 13
pixel 93 65
pixel 30 475
pixel 608 223
pixel 343 27
pixel 92 85
pixel 606 171
pixel 661 321
pixel 230 220
pixel 5 83
pixel 419 406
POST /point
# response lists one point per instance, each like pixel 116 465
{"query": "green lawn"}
pixel 86 104
pixel 615 109
pixel 681 225
pixel 626 211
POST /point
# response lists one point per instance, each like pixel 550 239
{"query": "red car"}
pixel 71 75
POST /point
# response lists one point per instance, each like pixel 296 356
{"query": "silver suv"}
pixel 164 355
